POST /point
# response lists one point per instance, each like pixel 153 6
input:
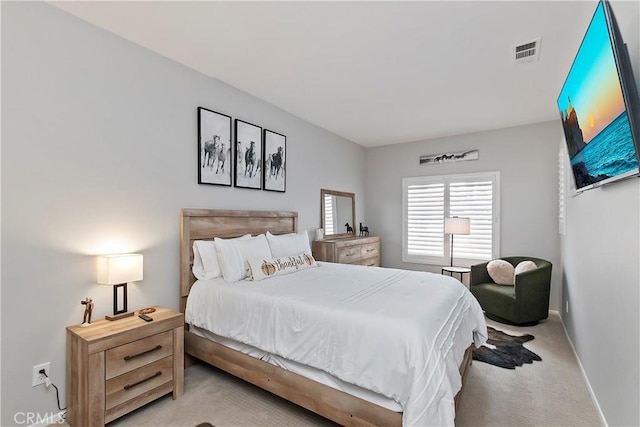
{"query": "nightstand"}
pixel 114 367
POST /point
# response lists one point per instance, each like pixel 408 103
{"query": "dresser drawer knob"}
pixel 370 250
pixel 128 386
pixel 133 356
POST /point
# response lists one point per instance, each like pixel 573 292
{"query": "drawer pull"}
pixel 128 386
pixel 370 250
pixel 133 356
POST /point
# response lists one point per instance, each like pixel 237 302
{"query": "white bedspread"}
pixel 398 333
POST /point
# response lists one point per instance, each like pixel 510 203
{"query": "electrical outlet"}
pixel 39 378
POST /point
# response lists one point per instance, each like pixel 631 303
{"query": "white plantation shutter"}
pixel 425 219
pixel 473 199
pixel 562 159
pixel 428 200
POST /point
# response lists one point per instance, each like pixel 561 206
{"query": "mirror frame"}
pixel 324 192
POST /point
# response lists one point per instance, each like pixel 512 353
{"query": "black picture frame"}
pixel 214 148
pixel 274 175
pixel 248 140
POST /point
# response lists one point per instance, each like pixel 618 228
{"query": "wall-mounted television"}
pixel 599 106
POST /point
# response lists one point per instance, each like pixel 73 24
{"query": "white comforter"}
pixel 399 333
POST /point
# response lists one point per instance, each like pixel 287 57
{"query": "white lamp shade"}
pixel 457 225
pixel 117 269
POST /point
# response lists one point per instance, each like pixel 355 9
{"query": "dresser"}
pixel 348 250
pixel 114 367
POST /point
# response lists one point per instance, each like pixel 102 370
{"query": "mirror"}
pixel 338 209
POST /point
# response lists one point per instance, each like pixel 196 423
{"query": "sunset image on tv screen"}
pixel 593 111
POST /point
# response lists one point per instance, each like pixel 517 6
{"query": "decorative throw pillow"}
pixel 284 245
pixel 260 268
pixel 233 254
pixel 525 266
pixel 501 271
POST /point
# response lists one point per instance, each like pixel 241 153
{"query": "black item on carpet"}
pixel 509 350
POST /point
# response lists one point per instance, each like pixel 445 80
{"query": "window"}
pixel 429 200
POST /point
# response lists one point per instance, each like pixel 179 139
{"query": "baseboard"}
pixel 48 419
pixel 584 374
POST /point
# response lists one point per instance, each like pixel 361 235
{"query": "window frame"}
pixel 494 176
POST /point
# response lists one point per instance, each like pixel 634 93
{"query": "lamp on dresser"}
pixel 456 225
pixel 117 270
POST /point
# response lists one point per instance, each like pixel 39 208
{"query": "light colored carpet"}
pixel 547 393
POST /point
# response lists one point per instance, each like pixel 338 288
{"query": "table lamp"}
pixel 456 225
pixel 118 270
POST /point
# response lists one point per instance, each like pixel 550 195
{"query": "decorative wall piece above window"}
pixel 214 148
pixel 459 156
pixel 248 158
pixel 275 161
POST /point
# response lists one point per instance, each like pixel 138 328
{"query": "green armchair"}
pixel 523 304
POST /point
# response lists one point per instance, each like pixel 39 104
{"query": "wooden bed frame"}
pixel 338 406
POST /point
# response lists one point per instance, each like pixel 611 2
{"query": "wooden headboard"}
pixel 205 224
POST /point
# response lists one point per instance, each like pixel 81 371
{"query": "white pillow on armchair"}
pixel 501 272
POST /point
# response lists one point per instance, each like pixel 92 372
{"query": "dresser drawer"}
pixel 128 386
pixel 128 357
pixel 370 250
pixel 370 262
pixel 349 254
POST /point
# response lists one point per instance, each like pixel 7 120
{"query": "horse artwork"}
pixel 275 161
pixel 250 160
pixel 214 138
pixel 209 154
pixel 248 149
pixel 349 228
pixel 364 230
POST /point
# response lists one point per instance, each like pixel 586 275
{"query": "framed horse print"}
pixel 248 158
pixel 275 161
pixel 214 148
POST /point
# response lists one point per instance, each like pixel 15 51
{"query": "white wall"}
pixel 526 157
pixel 99 154
pixel 601 282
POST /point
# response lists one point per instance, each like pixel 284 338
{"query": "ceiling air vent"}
pixel 527 52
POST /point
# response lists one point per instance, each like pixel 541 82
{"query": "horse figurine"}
pixel 349 228
pixel 364 230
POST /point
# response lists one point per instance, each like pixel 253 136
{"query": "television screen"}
pixel 597 105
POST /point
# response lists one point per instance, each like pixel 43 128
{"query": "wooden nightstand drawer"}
pixel 132 384
pixel 370 250
pixel 138 353
pixel 349 254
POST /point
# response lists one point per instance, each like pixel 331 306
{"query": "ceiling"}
pixel 373 72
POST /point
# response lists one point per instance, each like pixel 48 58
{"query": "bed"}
pixel 337 396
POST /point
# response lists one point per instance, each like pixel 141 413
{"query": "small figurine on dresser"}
pixel 364 230
pixel 349 228
pixel 88 309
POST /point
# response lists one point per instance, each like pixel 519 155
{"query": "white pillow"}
pixel 288 244
pixel 525 266
pixel 260 268
pixel 205 258
pixel 233 254
pixel 501 271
